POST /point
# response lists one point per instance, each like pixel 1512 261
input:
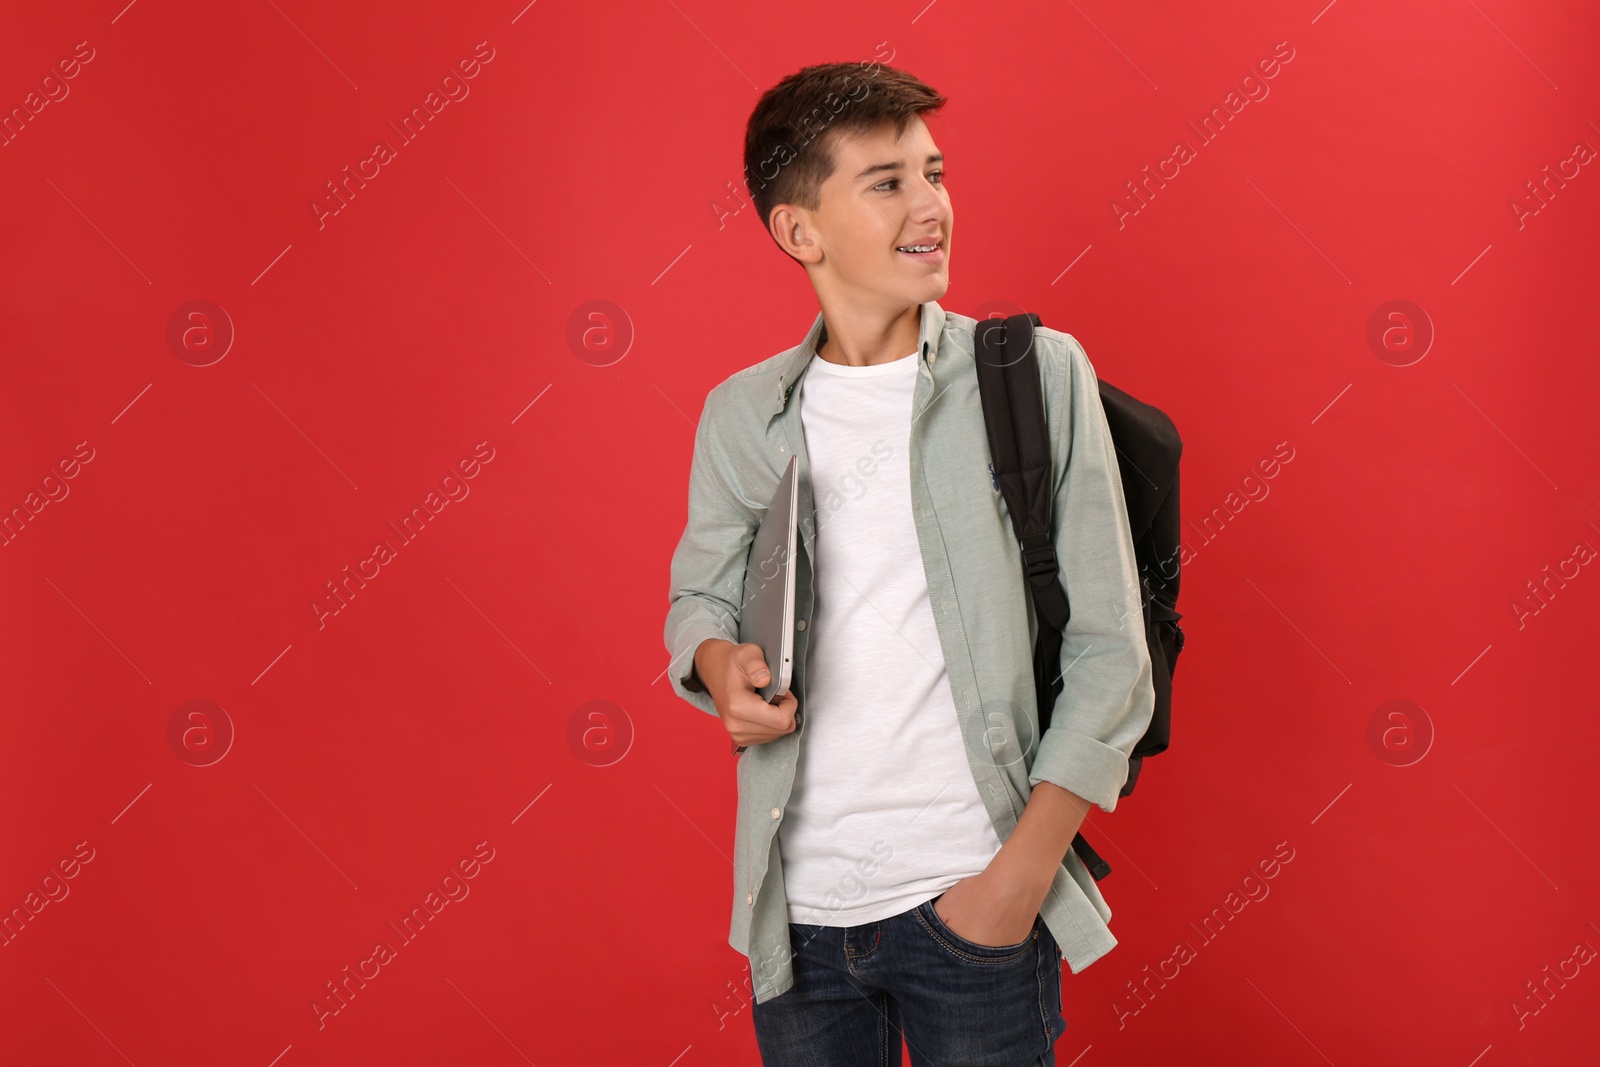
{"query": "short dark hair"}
pixel 789 139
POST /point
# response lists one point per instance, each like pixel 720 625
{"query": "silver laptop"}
pixel 767 617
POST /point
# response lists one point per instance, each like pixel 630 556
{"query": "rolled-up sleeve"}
pixel 708 566
pixel 1108 693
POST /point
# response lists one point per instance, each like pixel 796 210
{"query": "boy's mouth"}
pixel 928 250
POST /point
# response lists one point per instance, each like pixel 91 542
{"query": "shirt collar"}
pixel 932 331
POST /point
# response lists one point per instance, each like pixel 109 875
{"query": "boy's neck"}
pixel 864 339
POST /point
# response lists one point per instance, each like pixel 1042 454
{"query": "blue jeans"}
pixel 958 1002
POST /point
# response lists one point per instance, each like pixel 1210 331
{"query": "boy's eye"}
pixel 896 181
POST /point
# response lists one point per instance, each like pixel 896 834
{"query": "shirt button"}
pixel 749 898
pixel 799 624
pixel 776 813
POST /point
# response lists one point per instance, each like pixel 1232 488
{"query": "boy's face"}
pixel 883 194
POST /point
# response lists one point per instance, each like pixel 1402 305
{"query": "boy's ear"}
pixel 786 221
pixel 786 218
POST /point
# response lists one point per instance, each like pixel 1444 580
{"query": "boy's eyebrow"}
pixel 936 157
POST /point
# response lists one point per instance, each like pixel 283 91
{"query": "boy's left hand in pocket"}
pixel 986 911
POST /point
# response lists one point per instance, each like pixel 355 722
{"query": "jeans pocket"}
pixel 972 951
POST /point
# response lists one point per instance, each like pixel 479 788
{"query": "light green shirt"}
pixel 976 587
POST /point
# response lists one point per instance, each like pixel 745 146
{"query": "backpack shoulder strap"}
pixel 1019 448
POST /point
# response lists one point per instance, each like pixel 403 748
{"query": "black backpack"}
pixel 1148 449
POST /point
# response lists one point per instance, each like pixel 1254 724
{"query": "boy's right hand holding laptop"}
pixel 731 674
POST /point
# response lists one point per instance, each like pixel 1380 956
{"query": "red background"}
pixel 447 702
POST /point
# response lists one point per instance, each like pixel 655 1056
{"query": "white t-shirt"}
pixel 884 813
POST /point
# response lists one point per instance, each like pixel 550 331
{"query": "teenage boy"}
pixel 902 858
